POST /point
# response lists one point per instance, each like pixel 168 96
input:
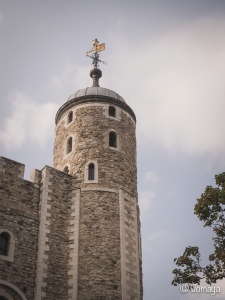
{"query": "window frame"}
pixel 86 172
pixel 110 108
pixel 69 117
pixel 69 148
pixel 64 169
pixel 116 142
pixel 91 172
pixel 6 238
pixel 11 246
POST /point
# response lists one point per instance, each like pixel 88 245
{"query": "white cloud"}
pixel 148 245
pixel 72 78
pixel 29 120
pixel 146 200
pixel 175 85
pixel 151 177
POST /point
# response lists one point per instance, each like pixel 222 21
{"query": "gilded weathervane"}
pixel 95 53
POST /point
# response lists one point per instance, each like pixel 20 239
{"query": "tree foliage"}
pixel 210 208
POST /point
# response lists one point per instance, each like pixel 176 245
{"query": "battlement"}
pixel 35 177
pixel 11 167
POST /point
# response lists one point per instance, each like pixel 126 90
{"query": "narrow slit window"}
pixel 112 139
pixel 70 117
pixel 91 172
pixel 69 145
pixel 4 243
pixel 112 111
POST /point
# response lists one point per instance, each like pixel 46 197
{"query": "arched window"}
pixel 112 139
pixel 69 145
pixel 66 169
pixel 70 117
pixel 4 243
pixel 112 111
pixel 91 171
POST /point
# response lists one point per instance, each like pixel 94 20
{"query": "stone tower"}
pixel 73 231
pixel 95 142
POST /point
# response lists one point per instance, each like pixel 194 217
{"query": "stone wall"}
pixel 19 213
pixel 43 217
pixel 130 248
pixel 101 266
pixel 99 249
pixel 90 130
pixel 68 241
pixel 54 242
pixel 7 292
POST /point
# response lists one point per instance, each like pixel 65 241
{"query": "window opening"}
pixel 69 145
pixel 70 117
pixel 66 169
pixel 112 111
pixel 91 172
pixel 112 139
pixel 4 242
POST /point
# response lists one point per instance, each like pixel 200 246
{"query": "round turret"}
pixel 85 127
pixel 95 142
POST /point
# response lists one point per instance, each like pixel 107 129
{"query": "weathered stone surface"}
pixel 90 130
pixel 67 228
pixel 99 251
pixel 19 214
pixel 58 237
pixel 7 291
pixel 100 256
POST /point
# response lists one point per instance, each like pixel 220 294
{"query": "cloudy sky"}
pixel 166 58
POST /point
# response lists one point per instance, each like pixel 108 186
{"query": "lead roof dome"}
pixel 96 90
pixel 93 94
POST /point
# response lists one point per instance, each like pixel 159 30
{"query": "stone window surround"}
pixel 118 146
pixel 11 246
pixel 68 117
pixel 86 180
pixel 66 165
pixel 4 294
pixel 112 106
pixel 117 111
pixel 13 287
pixel 69 145
pixel 65 145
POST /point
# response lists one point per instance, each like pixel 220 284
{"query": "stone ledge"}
pixel 99 189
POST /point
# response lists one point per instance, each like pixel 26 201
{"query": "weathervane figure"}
pixel 95 53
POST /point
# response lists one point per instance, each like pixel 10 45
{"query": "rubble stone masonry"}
pixel 72 237
pixel 19 200
pixel 103 252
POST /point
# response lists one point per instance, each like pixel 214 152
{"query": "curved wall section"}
pixel 108 262
pixel 90 128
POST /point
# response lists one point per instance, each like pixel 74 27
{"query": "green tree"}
pixel 210 209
